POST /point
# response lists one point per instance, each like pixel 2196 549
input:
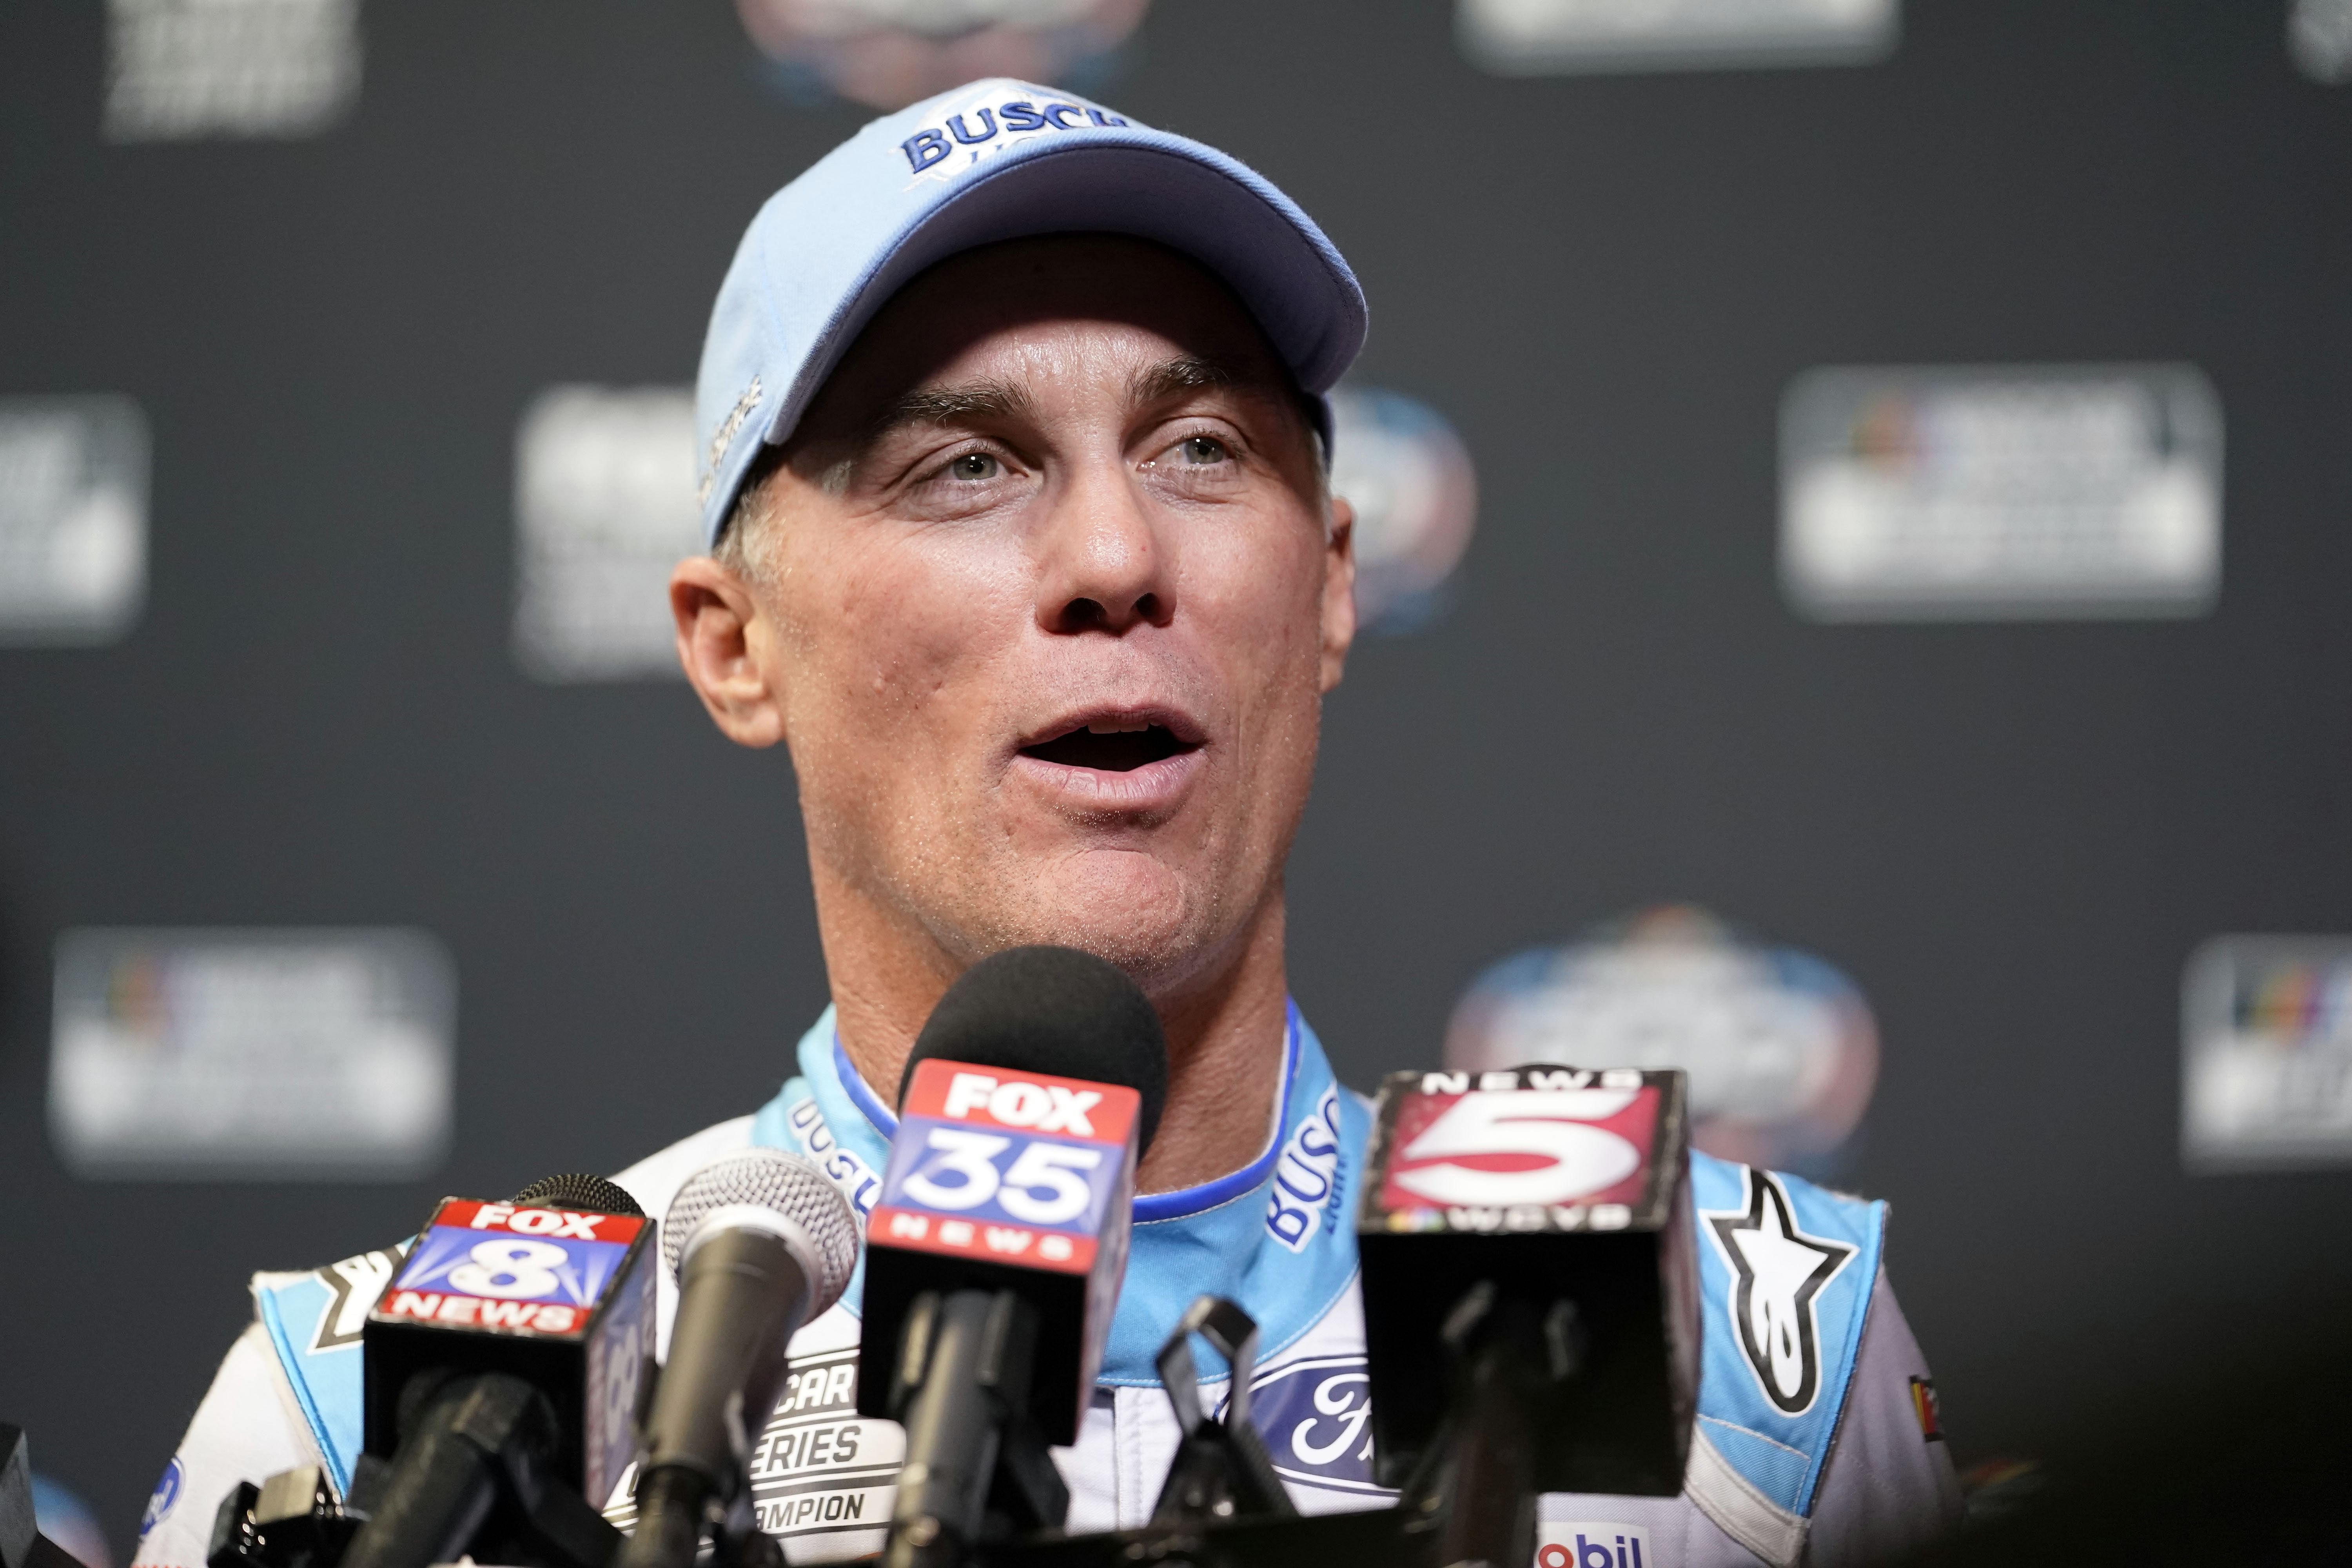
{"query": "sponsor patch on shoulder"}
pixel 1925 1405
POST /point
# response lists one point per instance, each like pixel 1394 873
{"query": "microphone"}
pixel 1536 1223
pixel 760 1243
pixel 22 1544
pixel 994 1255
pixel 501 1366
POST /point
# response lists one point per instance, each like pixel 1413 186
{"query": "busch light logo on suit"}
pixel 988 122
pixel 1306 1177
pixel 1584 1543
pixel 853 1177
pixel 1315 1416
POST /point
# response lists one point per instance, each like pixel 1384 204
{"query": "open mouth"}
pixel 1111 745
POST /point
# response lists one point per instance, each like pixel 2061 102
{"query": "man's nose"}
pixel 1105 567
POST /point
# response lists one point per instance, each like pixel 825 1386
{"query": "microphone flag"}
pixel 563 1297
pixel 1005 1178
pixel 1567 1189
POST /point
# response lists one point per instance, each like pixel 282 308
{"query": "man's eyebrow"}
pixel 1185 373
pixel 966 404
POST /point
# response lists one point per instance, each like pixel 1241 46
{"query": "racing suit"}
pixel 1816 1437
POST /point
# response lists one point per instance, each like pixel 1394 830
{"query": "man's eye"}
pixel 974 465
pixel 1202 449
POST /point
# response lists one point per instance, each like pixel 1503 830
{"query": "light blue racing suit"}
pixel 1816 1439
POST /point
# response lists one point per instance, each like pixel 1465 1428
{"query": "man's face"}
pixel 1046 602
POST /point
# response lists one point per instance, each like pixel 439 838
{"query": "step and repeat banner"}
pixel 1851 497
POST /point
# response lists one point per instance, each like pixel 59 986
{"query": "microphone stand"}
pixel 1223 1506
pixel 976 1468
pixel 1221 1470
pixel 1511 1368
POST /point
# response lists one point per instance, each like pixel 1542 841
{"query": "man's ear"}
pixel 1338 591
pixel 721 624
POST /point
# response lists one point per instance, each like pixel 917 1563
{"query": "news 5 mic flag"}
pixel 1553 1184
pixel 999 1180
pixel 560 1298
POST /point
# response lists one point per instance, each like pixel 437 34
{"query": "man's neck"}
pixel 1226 1029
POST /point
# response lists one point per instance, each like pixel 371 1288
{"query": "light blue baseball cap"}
pixel 995 160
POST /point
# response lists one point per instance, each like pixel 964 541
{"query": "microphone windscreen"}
pixel 787 1187
pixel 1052 1011
pixel 577 1190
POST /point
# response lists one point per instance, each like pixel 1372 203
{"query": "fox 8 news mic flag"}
pixel 1000 1178
pixel 563 1298
pixel 1554 1185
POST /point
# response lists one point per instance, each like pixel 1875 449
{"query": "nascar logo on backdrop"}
pixel 73 519
pixel 2000 492
pixel 1529 38
pixel 1782 1049
pixel 321 1053
pixel 605 507
pixel 2319 39
pixel 2266 1054
pixel 229 68
pixel 892 53
pixel 1408 474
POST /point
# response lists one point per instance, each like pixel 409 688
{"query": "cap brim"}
pixel 1153 186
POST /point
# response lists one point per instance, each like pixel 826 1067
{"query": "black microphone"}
pixel 994 1255
pixel 1530 1294
pixel 22 1544
pixel 760 1243
pixel 501 1366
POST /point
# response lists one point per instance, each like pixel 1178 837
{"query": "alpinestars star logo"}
pixel 1777 1271
pixel 352 1285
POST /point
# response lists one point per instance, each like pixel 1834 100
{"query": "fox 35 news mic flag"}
pixel 527 1329
pixel 994 1256
pixel 1562 1194
pixel 999 1180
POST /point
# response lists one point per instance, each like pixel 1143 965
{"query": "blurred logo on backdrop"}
pixel 1782 1049
pixel 184 69
pixel 2319 39
pixel 1534 37
pixel 889 53
pixel 293 1054
pixel 2266 1053
pixel 2000 492
pixel 604 508
pixel 73 519
pixel 1409 477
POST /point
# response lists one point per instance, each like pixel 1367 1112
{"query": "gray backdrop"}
pixel 2011 836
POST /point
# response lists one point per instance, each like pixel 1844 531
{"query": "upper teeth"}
pixel 1118 726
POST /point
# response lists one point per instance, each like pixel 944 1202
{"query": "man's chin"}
pixel 1122 905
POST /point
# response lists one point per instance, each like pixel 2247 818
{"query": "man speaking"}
pixel 1014 468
